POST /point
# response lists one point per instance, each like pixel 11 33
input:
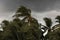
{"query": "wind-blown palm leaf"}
pixel 48 22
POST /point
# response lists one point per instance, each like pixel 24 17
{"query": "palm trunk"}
pixel 15 32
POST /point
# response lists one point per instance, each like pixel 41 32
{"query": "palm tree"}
pixel 48 22
pixel 31 24
pixel 58 19
pixel 55 34
pixel 23 12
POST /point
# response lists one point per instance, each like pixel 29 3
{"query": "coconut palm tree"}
pixel 48 23
pixel 55 35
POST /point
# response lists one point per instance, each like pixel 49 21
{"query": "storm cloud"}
pixel 40 8
pixel 35 5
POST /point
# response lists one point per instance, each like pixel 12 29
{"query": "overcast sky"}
pixel 40 8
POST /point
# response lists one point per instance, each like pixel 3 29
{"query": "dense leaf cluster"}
pixel 17 29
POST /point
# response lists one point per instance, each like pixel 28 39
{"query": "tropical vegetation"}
pixel 28 28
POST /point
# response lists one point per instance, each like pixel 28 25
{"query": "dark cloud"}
pixel 9 7
pixel 35 5
pixel 41 5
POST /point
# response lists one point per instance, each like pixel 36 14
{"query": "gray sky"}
pixel 40 8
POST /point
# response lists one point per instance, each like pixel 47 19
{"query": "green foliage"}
pixel 55 35
pixel 18 29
